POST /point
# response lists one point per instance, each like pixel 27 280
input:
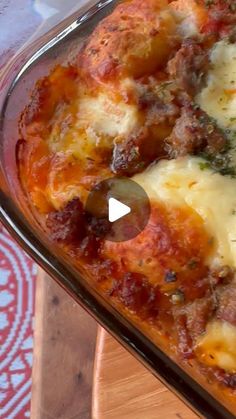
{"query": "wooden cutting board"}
pixel 124 389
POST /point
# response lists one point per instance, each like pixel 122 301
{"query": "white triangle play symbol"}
pixel 117 210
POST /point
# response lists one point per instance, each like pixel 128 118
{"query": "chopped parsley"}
pixel 222 161
pixel 204 165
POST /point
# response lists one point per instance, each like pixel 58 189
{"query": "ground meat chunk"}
pixel 223 11
pixel 227 304
pixel 191 321
pixel 189 66
pixel 193 133
pixel 185 344
pixel 136 293
pixel 68 224
pixel 221 18
pixel 156 101
pixel 218 303
pixel 127 159
pixel 198 314
pixel 99 227
pixel 132 155
pixel 225 378
pixel 73 225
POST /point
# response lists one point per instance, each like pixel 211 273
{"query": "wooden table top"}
pixel 64 348
pixel 124 389
pixel 64 351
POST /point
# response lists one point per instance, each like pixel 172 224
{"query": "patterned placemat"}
pixel 17 286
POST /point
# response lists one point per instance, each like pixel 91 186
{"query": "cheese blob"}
pixel 107 117
pixel 217 346
pixel 182 182
pixel 218 98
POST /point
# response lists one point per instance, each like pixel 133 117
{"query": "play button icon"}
pixel 118 209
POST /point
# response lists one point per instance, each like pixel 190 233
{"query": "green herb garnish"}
pixel 204 165
pixel 222 161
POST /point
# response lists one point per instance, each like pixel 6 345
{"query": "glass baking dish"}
pixel 16 85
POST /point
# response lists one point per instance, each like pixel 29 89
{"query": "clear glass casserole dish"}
pixel 17 83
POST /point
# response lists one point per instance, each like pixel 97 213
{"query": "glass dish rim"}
pixel 124 331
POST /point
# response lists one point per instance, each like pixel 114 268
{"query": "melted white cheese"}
pixel 181 182
pixel 190 17
pixel 99 121
pixel 218 98
pixel 218 346
pixel 106 117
